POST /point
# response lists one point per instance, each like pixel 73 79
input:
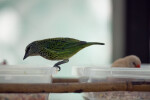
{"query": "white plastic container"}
pixel 25 74
pixel 97 74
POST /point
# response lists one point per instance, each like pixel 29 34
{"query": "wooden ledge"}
pixel 75 87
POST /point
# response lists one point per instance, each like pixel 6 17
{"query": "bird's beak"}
pixel 25 56
pixel 138 66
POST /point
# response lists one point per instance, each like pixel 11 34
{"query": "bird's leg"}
pixel 60 62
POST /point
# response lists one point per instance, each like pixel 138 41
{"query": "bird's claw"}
pixel 58 67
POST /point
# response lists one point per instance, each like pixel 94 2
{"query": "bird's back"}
pixel 58 44
pixel 61 48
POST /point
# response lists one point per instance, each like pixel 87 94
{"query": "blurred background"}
pixel 123 25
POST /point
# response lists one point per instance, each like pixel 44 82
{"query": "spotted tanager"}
pixel 57 49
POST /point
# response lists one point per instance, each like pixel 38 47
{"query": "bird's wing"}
pixel 59 44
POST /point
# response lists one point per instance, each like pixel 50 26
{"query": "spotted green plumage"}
pixel 57 48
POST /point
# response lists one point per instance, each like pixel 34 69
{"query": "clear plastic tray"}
pixel 25 74
pixel 97 74
pixel 124 73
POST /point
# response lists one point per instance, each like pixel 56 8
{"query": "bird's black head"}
pixel 31 50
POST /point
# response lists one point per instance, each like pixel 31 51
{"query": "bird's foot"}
pixel 58 67
pixel 59 63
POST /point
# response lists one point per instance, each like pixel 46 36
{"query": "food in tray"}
pixel 38 96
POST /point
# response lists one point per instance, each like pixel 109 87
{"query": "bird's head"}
pixel 31 50
pixel 134 61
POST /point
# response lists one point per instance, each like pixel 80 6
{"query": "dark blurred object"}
pixel 138 29
pixel 4 62
pixel 65 80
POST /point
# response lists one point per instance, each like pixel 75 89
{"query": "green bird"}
pixel 57 49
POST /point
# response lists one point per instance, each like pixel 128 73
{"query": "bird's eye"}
pixel 134 63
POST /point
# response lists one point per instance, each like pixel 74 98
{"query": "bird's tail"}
pixel 95 43
pixel 86 44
